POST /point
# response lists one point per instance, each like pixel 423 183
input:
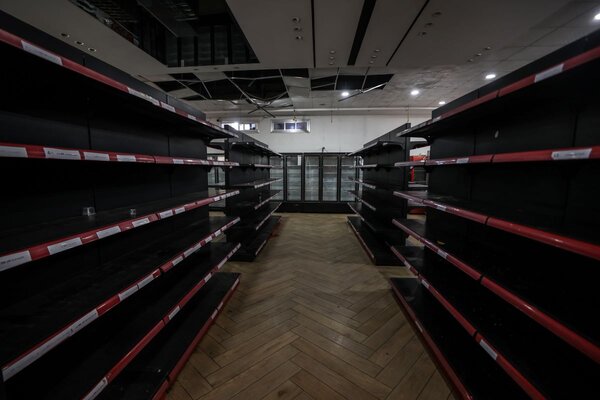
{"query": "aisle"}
pixel 312 318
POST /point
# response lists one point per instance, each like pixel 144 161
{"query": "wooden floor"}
pixel 311 319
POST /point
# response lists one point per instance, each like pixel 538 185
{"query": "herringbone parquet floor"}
pixel 311 319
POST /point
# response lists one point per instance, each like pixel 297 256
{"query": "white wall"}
pixel 338 133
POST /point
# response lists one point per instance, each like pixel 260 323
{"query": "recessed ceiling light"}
pixel 487 48
pixel 490 76
pixel 331 51
pixel 415 92
pixel 297 28
pixel 373 56
pixel 371 62
pixel 377 50
pixel 330 62
pixel 91 49
pixel 331 57
pixel 478 54
pixel 597 17
pixel 442 102
pixel 345 94
pixel 470 60
pixel 299 37
pixel 65 35
pixel 79 42
pixel 295 20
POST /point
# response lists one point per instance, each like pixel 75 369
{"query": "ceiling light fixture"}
pixel 371 62
pixel 295 20
pixel 91 49
pixel 331 51
pixel 330 62
pixel 442 102
pixel 331 57
pixel 299 37
pixel 377 50
pixel 298 29
pixel 597 17
pixel 373 56
pixel 345 94
pixel 490 76
pixel 415 92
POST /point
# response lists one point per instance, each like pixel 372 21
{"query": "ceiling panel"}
pixel 269 28
pixel 335 27
pixel 389 22
pixel 466 27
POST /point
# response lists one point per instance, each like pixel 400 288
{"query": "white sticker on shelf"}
pixel 192 117
pixel 580 154
pixel 126 293
pixel 14 152
pixel 220 306
pixel 83 321
pixel 126 158
pixel 419 326
pixel 167 107
pixel 208 239
pixel 237 282
pixel 96 390
pixel 557 69
pixel 46 55
pixel 34 355
pixel 177 260
pixel 442 253
pixel 143 96
pixel 214 314
pixel 189 251
pixel 177 161
pixel 89 156
pixel 488 349
pixel 440 207
pixel 223 262
pixel 218 232
pixel 207 277
pixel 425 284
pixel 140 222
pixel 165 214
pixel 173 313
pixel 145 281
pixel 15 259
pixel 62 246
pixel 108 232
pixel 464 160
pixel 179 210
pixel 62 154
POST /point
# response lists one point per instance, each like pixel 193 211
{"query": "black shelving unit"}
pixel 105 235
pixel 507 269
pixel 255 204
pixel 375 204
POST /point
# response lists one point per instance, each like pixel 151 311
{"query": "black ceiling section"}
pixel 295 72
pixel 264 88
pixel 326 83
pixel 178 33
pixel 349 82
pixel 374 80
pixel 199 88
pixel 361 29
pixel 169 86
pixel 223 90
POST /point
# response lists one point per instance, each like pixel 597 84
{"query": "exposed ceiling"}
pixel 309 52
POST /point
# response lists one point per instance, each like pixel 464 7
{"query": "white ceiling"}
pixel 437 63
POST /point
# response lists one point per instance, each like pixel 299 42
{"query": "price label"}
pixel 167 107
pixel 165 214
pixel 145 281
pixel 126 293
pixel 83 321
pixel 62 154
pixel 126 158
pixel 177 260
pixel 207 277
pixel 140 222
pixel 442 253
pixel 177 161
pixel 46 55
pixel 193 118
pixel 13 152
pixel 15 259
pixel 581 154
pixel 557 69
pixel 464 160
pixel 488 349
pixel 108 232
pixel 179 210
pixel 96 390
pixel 143 96
pixel 89 156
pixel 173 313
pixel 62 246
